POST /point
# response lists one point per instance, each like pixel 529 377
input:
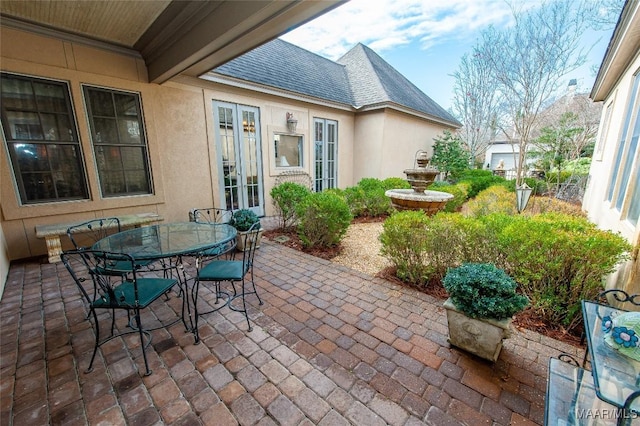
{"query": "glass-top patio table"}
pixel 616 377
pixel 171 241
pixel 168 240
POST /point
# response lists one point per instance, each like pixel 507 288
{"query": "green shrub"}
pixel 370 184
pixel 395 183
pixel 479 180
pixel 404 241
pixel 422 248
pixel 459 192
pixel 553 205
pixel 355 199
pixel 539 186
pixel 243 219
pixel 368 198
pixel 481 290
pixel 495 199
pixel 285 197
pixel 323 219
pixel 560 260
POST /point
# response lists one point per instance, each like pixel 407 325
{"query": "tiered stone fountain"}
pixel 419 198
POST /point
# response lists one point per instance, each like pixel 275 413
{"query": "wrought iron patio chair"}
pixel 234 271
pixel 84 235
pixel 213 216
pixel 132 294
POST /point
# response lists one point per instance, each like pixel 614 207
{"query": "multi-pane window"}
pixel 120 146
pixel 624 186
pixel 626 154
pixel 40 131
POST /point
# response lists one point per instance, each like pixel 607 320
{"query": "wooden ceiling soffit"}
pixel 193 37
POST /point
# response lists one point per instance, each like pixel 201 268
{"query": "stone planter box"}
pixel 481 337
pixel 240 240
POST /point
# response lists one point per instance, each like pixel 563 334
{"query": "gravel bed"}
pixel 361 249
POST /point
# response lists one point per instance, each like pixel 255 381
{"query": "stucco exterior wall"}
pixel 387 142
pixel 600 211
pixel 40 56
pixel 180 131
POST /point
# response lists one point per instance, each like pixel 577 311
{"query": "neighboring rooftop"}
pixel 359 79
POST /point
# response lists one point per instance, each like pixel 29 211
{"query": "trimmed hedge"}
pixel 557 259
pixel 323 219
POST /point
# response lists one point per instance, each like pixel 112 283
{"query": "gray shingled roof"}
pixel 286 66
pixel 374 81
pixel 359 79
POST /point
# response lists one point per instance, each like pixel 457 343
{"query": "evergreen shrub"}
pixel 243 219
pixel 481 290
pixel 459 192
pixel 323 219
pixel 559 260
pixel 495 199
pixel 285 197
pixel 479 180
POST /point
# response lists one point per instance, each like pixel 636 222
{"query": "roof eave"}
pixel 406 110
pixel 274 91
pixel 623 47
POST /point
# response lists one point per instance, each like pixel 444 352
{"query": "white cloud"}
pixel 386 24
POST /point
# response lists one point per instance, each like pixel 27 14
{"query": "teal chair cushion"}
pixel 223 270
pixel 149 289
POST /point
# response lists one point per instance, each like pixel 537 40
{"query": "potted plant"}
pixel 482 300
pixel 242 220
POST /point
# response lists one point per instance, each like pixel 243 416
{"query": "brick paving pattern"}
pixel 330 346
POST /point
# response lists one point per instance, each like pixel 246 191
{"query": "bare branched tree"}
pixel 604 13
pixel 529 59
pixel 474 103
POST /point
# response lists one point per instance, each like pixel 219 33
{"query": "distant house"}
pixel 192 106
pixel 612 198
pixel 588 112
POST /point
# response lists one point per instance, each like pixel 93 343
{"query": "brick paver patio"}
pixel 330 346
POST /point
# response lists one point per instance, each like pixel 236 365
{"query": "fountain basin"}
pixel 429 201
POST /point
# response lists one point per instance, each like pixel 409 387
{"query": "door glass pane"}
pixel 228 152
pixel 631 109
pixel 251 159
pixel 239 156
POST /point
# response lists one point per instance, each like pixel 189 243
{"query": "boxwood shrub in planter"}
pixel 242 220
pixel 482 300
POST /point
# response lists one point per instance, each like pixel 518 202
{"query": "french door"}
pixel 325 138
pixel 239 156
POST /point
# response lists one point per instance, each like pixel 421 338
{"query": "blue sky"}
pixel 424 40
